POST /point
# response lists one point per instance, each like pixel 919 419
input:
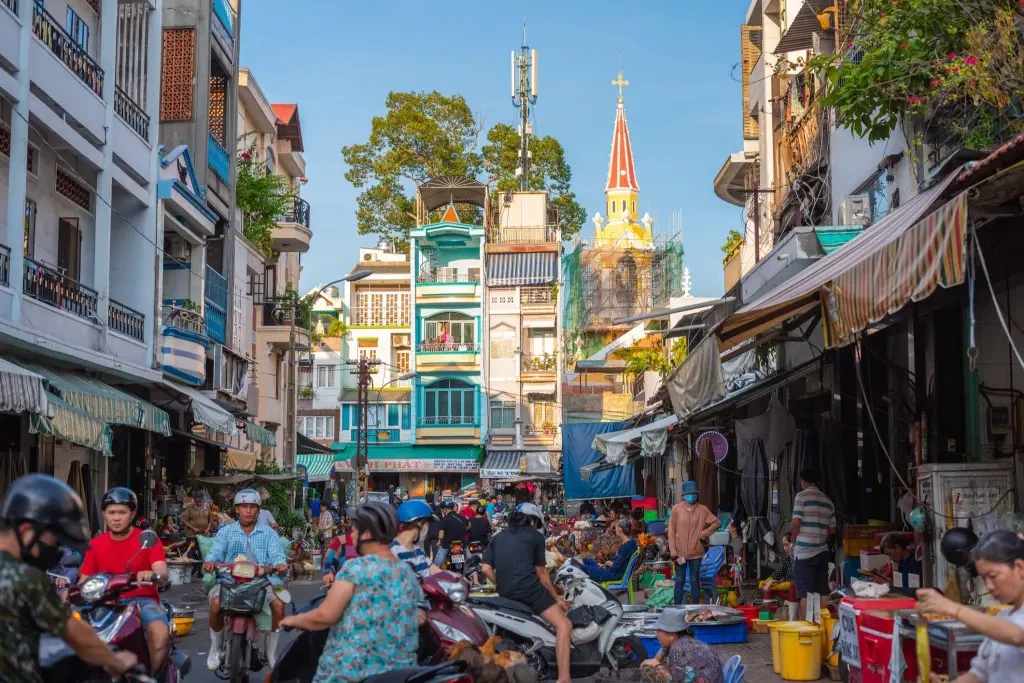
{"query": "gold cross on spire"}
pixel 620 82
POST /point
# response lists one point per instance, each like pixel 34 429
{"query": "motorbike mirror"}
pixel 148 539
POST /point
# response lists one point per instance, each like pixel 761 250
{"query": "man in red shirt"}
pixel 119 549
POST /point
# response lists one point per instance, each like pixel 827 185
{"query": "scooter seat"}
pixel 502 603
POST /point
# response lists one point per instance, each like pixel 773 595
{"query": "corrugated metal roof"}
pixel 382 267
pixel 386 396
pixel 804 26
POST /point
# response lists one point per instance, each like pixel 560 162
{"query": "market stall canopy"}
pixel 319 466
pixel 653 437
pixel 699 380
pixel 259 434
pixel 205 410
pixel 22 390
pixel 578 452
pixel 501 465
pixel 306 446
pixel 894 270
pixel 237 479
pixel 102 401
pixel 243 461
pixel 68 422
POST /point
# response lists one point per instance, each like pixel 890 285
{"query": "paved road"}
pixel 197 644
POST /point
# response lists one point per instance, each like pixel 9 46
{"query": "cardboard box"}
pixel 871 561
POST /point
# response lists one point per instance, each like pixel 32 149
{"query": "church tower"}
pixel 622 229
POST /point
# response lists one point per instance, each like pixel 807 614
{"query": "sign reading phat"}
pixel 425 465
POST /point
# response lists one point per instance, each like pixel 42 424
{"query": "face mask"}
pixel 690 498
pixel 47 559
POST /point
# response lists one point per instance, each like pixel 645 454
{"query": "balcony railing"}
pixel 807 139
pixel 131 113
pixel 126 321
pixel 437 347
pixel 5 265
pixel 547 362
pixel 463 420
pixel 444 276
pixel 297 212
pixel 11 5
pixel 216 323
pixel 216 289
pixel 538 295
pixel 74 56
pixel 185 320
pixel 217 158
pixel 49 286
pixel 533 234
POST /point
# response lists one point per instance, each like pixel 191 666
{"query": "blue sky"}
pixel 338 60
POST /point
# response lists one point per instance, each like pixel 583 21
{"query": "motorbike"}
pixel 456 561
pixel 449 621
pixel 474 561
pixel 243 589
pixel 597 640
pixel 298 662
pixel 118 624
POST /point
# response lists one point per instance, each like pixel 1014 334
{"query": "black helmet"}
pixel 957 544
pixel 119 495
pixel 377 518
pixel 51 505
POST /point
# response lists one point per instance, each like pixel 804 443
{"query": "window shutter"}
pixel 750 52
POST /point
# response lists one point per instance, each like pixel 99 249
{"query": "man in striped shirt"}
pixel 814 519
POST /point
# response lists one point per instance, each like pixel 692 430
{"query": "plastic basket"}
pixel 723 631
pixel 243 597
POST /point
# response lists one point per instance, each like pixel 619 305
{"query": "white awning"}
pixel 654 437
pixel 205 410
pixel 22 390
pixel 544 388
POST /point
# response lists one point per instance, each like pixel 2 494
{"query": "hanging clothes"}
pixel 707 476
pixel 774 427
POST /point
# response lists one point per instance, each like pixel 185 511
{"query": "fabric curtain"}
pixel 707 476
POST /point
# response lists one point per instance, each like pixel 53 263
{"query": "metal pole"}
pixel 757 225
pixel 289 420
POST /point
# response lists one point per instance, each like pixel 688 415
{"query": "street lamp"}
pixel 290 416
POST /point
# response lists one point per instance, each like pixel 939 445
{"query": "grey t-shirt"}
pixel 266 518
pixel 997 662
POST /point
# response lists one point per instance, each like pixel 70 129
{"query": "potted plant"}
pixel 549 428
pixel 307 392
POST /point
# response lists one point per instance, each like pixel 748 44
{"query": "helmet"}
pixel 247 497
pixel 377 518
pixel 530 510
pixel 917 519
pixel 50 504
pixel 119 495
pixel 957 544
pixel 413 510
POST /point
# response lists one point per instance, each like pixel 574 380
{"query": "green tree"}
pixel 548 171
pixel 263 198
pixel 337 329
pixel 427 134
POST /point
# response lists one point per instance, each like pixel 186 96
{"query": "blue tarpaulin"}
pixel 614 482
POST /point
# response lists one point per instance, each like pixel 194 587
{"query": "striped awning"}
pixel 501 465
pixel 533 268
pixel 205 410
pixel 319 466
pixel 22 390
pixel 259 434
pixel 72 424
pixel 102 401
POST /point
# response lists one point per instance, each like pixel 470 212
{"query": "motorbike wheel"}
pixel 235 662
pixel 627 652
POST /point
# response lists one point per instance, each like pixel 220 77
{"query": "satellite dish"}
pixel 719 445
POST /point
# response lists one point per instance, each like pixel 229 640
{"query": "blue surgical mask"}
pixel 690 498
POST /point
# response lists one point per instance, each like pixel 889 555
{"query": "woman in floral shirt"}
pixel 371 608
pixel 683 658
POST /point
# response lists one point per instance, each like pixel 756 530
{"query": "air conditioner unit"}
pixel 400 340
pixel 177 248
pixel 855 210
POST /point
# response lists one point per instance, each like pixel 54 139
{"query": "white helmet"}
pixel 530 510
pixel 247 497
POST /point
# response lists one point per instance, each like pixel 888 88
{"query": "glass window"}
pixel 77 29
pixel 401 362
pixel 392 415
pixel 325 376
pixel 450 401
pixel 503 414
pixel 406 416
pixel 449 332
pixel 30 227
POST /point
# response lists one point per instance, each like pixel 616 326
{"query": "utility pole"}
pixel 290 449
pixel 365 381
pixel 524 93
pixel 757 192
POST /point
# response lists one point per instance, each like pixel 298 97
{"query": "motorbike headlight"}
pixel 93 587
pixel 243 570
pixel 455 590
pixel 449 632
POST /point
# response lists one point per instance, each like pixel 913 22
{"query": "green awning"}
pixel 319 466
pixel 72 424
pixel 831 237
pixel 103 401
pixel 338 446
pixel 205 410
pixel 259 434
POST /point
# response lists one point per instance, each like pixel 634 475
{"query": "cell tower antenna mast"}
pixel 524 94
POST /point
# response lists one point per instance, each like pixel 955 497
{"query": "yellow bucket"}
pixel 773 631
pixel 800 647
pixel 828 623
pixel 182 626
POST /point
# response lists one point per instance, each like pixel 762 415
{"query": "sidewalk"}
pixel 756 655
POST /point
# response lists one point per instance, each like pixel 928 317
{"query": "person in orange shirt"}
pixel 689 525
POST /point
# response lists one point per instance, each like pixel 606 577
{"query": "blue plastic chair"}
pixel 713 560
pixel 737 676
pixel 626 582
pixel 729 668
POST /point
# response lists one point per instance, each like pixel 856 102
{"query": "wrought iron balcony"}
pixel 11 5
pixel 126 321
pixel 297 212
pixel 74 56
pixel 539 295
pixel 51 287
pixel 448 420
pixel 444 276
pixel 217 158
pixel 185 320
pixel 435 347
pixel 131 113
pixel 547 362
pixel 532 234
pixel 5 265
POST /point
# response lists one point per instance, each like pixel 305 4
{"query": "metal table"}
pixel 952 636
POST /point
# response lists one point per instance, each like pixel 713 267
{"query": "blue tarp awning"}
pixel 614 482
pixel 510 270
